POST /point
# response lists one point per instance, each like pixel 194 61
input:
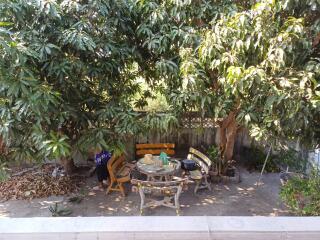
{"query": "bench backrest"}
pixel 202 160
pixel 154 148
pixel 114 164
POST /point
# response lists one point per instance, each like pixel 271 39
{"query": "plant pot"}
pixel 230 172
pixel 213 173
pixel 214 176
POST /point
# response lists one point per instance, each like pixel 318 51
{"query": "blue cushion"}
pixel 189 165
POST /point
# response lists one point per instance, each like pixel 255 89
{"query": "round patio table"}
pixel 161 173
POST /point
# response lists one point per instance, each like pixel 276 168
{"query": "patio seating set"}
pixel 157 176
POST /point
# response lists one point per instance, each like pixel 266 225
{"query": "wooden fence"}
pixel 195 132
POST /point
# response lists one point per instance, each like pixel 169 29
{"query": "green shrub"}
pixel 213 153
pixel 291 158
pixel 302 195
pixel 254 158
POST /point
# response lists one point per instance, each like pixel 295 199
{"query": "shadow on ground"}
pixel 226 199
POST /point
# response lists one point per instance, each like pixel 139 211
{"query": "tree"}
pixel 68 70
pixel 67 73
pixel 258 68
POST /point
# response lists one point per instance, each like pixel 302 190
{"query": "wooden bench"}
pixel 200 176
pixel 154 148
pixel 119 172
pixel 170 191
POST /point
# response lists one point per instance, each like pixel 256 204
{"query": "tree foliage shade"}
pixel 262 64
pixel 69 70
pixel 67 76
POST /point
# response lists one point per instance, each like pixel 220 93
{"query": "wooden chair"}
pixel 200 176
pixel 119 172
pixel 154 148
pixel 170 191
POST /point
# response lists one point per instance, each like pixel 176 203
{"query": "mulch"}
pixel 38 183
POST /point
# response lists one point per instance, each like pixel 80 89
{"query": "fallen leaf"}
pixel 38 184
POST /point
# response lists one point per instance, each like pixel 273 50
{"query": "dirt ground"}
pixel 226 199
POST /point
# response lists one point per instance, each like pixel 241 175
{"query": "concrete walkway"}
pixel 160 228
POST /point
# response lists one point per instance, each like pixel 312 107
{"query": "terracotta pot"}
pixel 231 172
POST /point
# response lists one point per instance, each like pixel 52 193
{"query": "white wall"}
pixel 161 228
pixel 314 157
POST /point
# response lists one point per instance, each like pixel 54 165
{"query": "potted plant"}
pixel 230 170
pixel 213 153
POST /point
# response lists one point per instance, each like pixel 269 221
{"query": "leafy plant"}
pixel 76 199
pixel 79 196
pixel 213 153
pixel 254 158
pixel 56 211
pixel 302 196
pixel 4 175
pixel 57 145
pixel 292 160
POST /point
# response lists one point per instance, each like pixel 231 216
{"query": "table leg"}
pixel 168 178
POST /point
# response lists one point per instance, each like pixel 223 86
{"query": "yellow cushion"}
pixel 196 174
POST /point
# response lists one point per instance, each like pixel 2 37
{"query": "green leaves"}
pixel 5 24
pixel 166 67
pixel 57 145
pixel 301 194
pixel 50 8
pixel 255 62
pixel 160 121
pixel 75 65
pixel 234 74
pixel 45 50
pixel 60 61
pixel 78 39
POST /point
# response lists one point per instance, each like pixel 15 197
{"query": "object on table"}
pixel 148 159
pixel 188 165
pixel 164 158
pixel 153 171
pixel 158 163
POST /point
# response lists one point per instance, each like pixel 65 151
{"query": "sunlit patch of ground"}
pixel 226 199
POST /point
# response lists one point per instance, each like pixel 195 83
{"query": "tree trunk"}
pixel 2 147
pixel 227 134
pixel 68 164
pixel 231 134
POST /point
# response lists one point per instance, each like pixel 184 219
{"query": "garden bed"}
pixel 38 182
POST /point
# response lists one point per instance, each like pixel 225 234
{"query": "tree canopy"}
pixel 260 67
pixel 69 70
